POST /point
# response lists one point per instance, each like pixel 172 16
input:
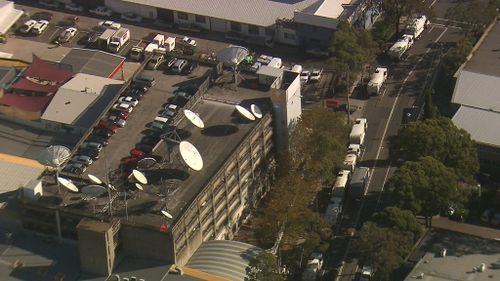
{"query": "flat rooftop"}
pixel 463 254
pixel 486 59
pixel 93 62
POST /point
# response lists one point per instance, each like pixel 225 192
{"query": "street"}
pixel 384 113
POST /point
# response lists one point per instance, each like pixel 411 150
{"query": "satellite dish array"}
pixel 247 114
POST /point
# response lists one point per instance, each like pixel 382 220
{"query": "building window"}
pixel 289 36
pixel 201 19
pixel 182 16
pixel 235 26
pixel 252 29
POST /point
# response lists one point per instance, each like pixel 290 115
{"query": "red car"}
pixel 122 114
pixel 108 125
pixel 137 153
pixel 130 161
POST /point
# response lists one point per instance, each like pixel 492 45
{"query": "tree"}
pixel 395 9
pixel 383 247
pixel 430 110
pixel 476 15
pixel 424 187
pixel 264 267
pixel 441 139
pixel 402 220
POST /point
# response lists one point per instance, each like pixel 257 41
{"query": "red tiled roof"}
pixel 46 71
pixel 24 84
pixel 27 103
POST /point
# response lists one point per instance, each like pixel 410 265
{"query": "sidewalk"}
pixel 471 229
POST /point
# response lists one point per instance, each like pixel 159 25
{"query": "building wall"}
pixel 216 213
pixel 122 7
pixel 179 18
pixel 17 113
pixel 149 243
pixel 286 36
pixel 312 37
pixel 489 158
pixel 218 25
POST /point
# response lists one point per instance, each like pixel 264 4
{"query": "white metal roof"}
pixel 270 71
pixel 256 12
pixel 331 8
pixel 477 90
pixel 76 97
pixel 481 124
pixel 9 15
pixel 17 171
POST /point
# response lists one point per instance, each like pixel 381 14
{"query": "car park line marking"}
pixel 432 4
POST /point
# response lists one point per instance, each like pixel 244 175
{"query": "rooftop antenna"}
pixel 190 156
pixel 232 56
pixel 244 112
pixel 54 156
pixel 98 182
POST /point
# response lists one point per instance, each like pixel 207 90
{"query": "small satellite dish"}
pixel 244 112
pixel 138 186
pixel 68 184
pixel 140 177
pixel 94 190
pixel 256 111
pixel 94 179
pixel 191 156
pixel 166 214
pixel 146 163
pixel 194 118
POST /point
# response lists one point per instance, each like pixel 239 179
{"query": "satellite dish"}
pixel 232 55
pixel 244 112
pixel 166 214
pixel 140 177
pixel 191 156
pixel 94 179
pixel 194 118
pixel 146 163
pixel 138 186
pixel 93 190
pixel 68 184
pixel 256 111
pixel 54 155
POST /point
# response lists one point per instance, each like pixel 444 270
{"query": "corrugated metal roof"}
pixel 270 71
pixel 256 12
pixel 482 125
pixel 80 95
pixel 17 171
pixel 477 90
pixel 228 259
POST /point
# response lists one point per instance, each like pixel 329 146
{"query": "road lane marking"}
pixel 432 4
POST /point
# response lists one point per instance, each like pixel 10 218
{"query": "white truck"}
pixel 358 131
pixel 333 210
pixel 377 81
pixel 105 38
pixel 167 46
pixel 350 162
pixel 313 266
pixel 401 46
pixel 417 26
pixel 157 42
pixel 119 39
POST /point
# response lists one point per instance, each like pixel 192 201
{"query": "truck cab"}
pixel 377 80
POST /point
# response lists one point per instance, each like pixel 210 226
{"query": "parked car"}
pixel 137 153
pixel 98 139
pixel 130 161
pixel 74 7
pixel 101 11
pixel 304 76
pixel 189 88
pixel 135 93
pixel 170 62
pixel 94 154
pixel 189 41
pixel 92 37
pixel 181 98
pixel 144 79
pixel 316 75
pixel 116 120
pixel 178 66
pixel 130 100
pixel 40 27
pixel 131 17
pixel 91 145
pixel 170 110
pixel 155 62
pixel 102 132
pixel 109 24
pixel 123 106
pixel 191 66
pixel 150 140
pixel 82 159
pixel 67 34
pixel 144 147
pixel 108 125
pixel 344 107
pixel 27 26
pixel 366 273
pixel 75 168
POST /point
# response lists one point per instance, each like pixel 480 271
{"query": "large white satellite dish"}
pixel 244 112
pixel 140 177
pixel 194 118
pixel 54 155
pixel 232 55
pixel 256 111
pixel 166 214
pixel 191 156
pixel 138 186
pixel 93 190
pixel 68 184
pixel 94 179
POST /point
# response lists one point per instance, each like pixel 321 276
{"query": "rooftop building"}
pixel 9 15
pixel 93 62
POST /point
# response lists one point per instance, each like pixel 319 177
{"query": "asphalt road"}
pixel 385 114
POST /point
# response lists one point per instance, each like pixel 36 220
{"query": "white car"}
pixel 130 100
pixel 74 7
pixel 101 11
pixel 67 34
pixel 189 41
pixel 316 75
pixel 40 27
pixel 366 273
pixel 109 24
pixel 304 76
pixel 123 106
pixel 27 26
pixel 131 17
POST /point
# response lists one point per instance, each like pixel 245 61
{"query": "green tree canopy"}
pixel 395 9
pixel 402 220
pixel 441 139
pixel 477 14
pixel 425 186
pixel 383 247
pixel 264 267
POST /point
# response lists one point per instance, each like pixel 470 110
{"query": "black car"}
pixel 189 88
pixel 135 93
pixel 191 66
pixel 92 37
pixel 150 140
pixel 181 98
pixel 94 154
pixel 151 133
pixel 102 132
pixel 98 139
pixel 144 147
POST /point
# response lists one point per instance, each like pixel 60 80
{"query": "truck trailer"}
pixel 105 38
pixel 119 39
pixel 359 182
pixel 401 47
pixel 358 131
pixel 417 26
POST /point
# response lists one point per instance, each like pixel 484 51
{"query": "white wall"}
pixel 280 36
pixel 218 25
pixel 122 7
pixel 294 103
pixel 191 20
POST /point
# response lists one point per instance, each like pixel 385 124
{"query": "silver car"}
pixel 82 159
pixel 116 120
